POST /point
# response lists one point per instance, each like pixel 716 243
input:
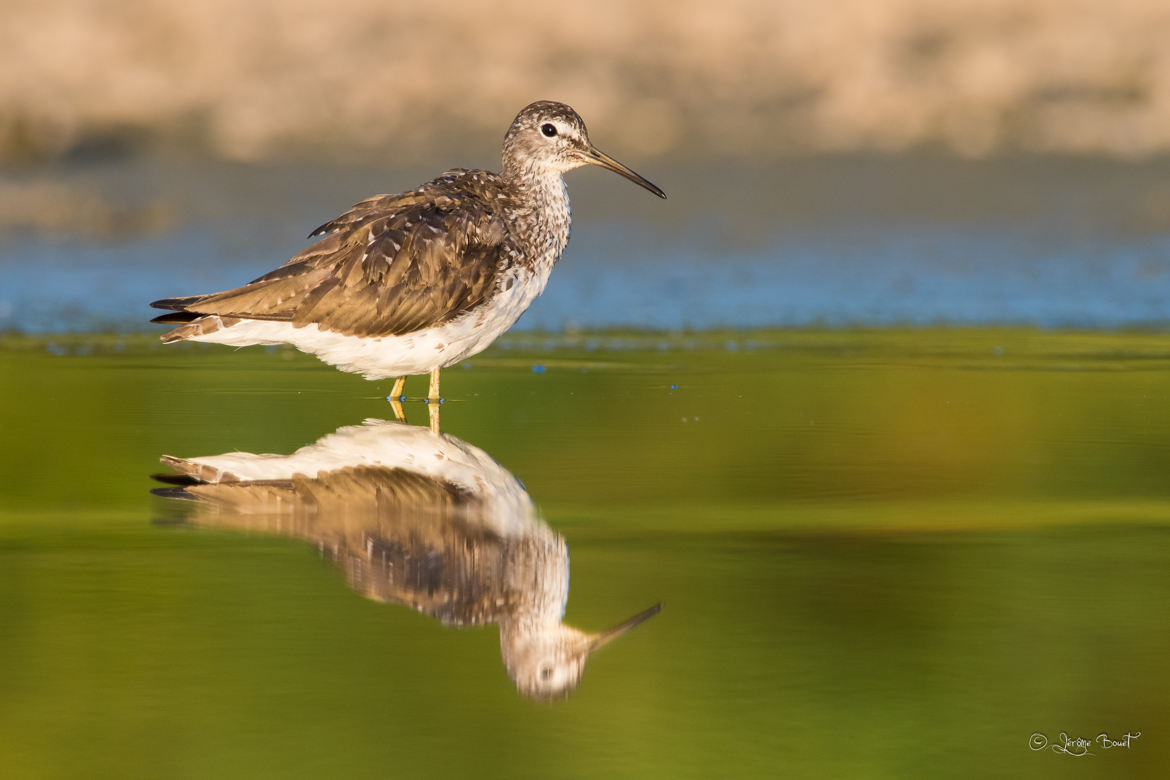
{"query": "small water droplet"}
pixel 538 369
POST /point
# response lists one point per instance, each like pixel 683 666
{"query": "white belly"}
pixel 380 357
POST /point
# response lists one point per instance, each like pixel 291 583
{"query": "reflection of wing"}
pixel 391 265
pixel 362 489
pixel 413 517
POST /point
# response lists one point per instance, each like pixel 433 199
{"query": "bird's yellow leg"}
pixel 433 411
pixel 399 386
pixel 399 412
pixel 434 393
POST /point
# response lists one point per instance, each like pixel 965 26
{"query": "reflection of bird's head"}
pixel 547 662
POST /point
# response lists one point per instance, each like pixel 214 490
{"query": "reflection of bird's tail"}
pixel 191 473
pixel 179 493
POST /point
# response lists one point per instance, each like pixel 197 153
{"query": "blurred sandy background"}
pixel 273 79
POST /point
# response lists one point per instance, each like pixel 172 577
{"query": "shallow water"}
pixel 880 554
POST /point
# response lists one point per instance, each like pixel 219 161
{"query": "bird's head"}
pixel 547 663
pixel 551 137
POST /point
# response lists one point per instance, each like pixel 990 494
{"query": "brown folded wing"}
pixel 389 266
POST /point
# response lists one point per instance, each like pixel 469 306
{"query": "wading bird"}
pixel 411 283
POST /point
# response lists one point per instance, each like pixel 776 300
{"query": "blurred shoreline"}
pixel 357 80
pixel 733 203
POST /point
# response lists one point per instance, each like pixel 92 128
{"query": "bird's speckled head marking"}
pixel 548 138
pixel 546 135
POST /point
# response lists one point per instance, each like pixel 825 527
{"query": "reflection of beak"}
pixel 605 637
pixel 595 156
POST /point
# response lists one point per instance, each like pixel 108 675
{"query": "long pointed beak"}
pixel 597 157
pixel 605 637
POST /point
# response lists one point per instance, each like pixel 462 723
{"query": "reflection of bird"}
pixel 410 283
pixel 415 518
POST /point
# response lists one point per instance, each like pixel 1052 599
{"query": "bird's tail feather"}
pixel 199 325
pixel 177 304
pixel 174 317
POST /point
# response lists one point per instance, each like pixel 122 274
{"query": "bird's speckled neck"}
pixel 541 212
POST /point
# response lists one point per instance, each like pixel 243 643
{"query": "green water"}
pixel 888 554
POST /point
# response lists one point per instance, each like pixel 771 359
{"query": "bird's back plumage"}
pixel 391 265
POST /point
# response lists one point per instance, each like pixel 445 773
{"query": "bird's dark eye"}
pixel 546 671
pixel 549 129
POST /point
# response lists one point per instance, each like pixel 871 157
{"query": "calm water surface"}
pixel 880 554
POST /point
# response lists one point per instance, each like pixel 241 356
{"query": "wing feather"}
pixel 389 266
